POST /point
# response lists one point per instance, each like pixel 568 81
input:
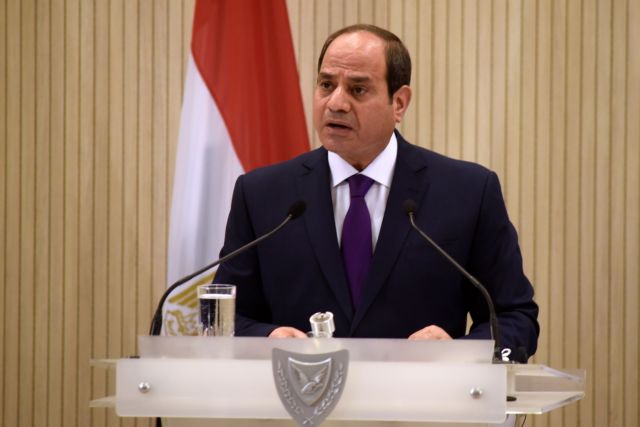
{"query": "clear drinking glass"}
pixel 217 310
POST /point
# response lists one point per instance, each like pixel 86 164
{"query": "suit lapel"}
pixel 409 182
pixel 314 189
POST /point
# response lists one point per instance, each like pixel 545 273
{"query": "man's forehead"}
pixel 358 59
pixel 356 46
pixel 358 40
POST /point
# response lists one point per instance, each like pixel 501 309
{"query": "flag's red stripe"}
pixel 244 52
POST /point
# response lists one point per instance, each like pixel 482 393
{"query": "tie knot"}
pixel 359 185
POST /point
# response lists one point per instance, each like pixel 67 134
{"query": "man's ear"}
pixel 401 100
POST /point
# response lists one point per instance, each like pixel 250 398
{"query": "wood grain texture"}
pixel 544 92
pixel 3 190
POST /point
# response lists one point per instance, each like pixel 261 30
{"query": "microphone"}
pixel 295 210
pixel 410 207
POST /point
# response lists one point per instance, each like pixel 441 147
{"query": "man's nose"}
pixel 339 101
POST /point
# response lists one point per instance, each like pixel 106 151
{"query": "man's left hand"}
pixel 431 332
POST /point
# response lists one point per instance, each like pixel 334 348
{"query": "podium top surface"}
pixel 361 349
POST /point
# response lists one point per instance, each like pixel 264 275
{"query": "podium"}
pixel 229 381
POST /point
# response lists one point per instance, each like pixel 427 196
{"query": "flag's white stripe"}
pixel 206 169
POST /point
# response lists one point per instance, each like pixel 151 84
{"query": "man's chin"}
pixel 334 145
pixel 330 137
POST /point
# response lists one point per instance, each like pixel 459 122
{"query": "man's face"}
pixel 352 111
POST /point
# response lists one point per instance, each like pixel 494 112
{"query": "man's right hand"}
pixel 287 332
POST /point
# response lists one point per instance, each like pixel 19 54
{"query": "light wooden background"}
pixel 547 93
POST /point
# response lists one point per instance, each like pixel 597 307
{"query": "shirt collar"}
pixel 380 169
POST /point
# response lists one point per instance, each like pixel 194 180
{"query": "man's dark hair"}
pixel 398 59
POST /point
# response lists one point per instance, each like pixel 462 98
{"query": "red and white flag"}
pixel 242 109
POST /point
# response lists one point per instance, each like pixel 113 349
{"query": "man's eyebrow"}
pixel 359 79
pixel 324 75
pixel 352 79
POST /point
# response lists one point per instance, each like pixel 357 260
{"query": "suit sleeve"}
pixel 496 261
pixel 252 313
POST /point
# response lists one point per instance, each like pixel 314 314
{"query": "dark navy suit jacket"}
pixel 299 271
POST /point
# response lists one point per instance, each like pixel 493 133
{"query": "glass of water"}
pixel 217 310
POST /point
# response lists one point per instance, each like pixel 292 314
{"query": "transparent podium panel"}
pixel 541 389
pixel 229 381
pixel 364 349
pixel 394 380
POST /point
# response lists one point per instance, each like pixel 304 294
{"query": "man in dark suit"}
pixel 378 279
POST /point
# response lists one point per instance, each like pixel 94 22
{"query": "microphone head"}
pixel 409 206
pixel 297 209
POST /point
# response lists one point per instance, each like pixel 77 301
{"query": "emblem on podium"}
pixel 309 385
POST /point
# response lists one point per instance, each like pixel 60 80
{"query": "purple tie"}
pixel 356 237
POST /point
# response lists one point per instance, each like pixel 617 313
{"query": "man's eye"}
pixel 359 90
pixel 325 85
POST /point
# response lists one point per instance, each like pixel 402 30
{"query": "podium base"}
pixel 208 422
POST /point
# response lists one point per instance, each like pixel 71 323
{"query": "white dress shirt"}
pixel 380 170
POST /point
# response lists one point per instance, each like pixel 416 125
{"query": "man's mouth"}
pixel 334 125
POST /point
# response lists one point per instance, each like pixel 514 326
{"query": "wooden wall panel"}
pixel 12 214
pixel 43 206
pixel 3 181
pixel 571 227
pixel 544 92
pixel 26 325
pixel 631 307
pixel 617 146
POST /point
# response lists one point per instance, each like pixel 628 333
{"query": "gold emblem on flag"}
pixel 181 317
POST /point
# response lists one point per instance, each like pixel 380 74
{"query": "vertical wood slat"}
pixel 483 86
pixel 527 91
pixel 616 227
pixel 71 211
pixel 319 28
pixel 12 219
pixel 571 278
pixel 439 76
pixel 557 182
pixel 366 11
pixel 469 91
pixel 395 17
pixel 4 134
pixel 42 209
pixel 86 210
pixel 350 11
pixel 541 171
pixel 130 156
pixel 587 207
pixel 55 281
pixel 176 64
pixel 381 13
pixel 409 35
pixel 602 214
pixel 144 139
pixel 159 205
pixel 146 150
pixel 511 184
pixel 422 81
pixel 331 12
pixel 114 277
pixel 26 324
pixel 542 92
pixel 100 235
pixel 498 86
pixel 632 221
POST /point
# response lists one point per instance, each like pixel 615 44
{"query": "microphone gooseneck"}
pixel 295 210
pixel 409 207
